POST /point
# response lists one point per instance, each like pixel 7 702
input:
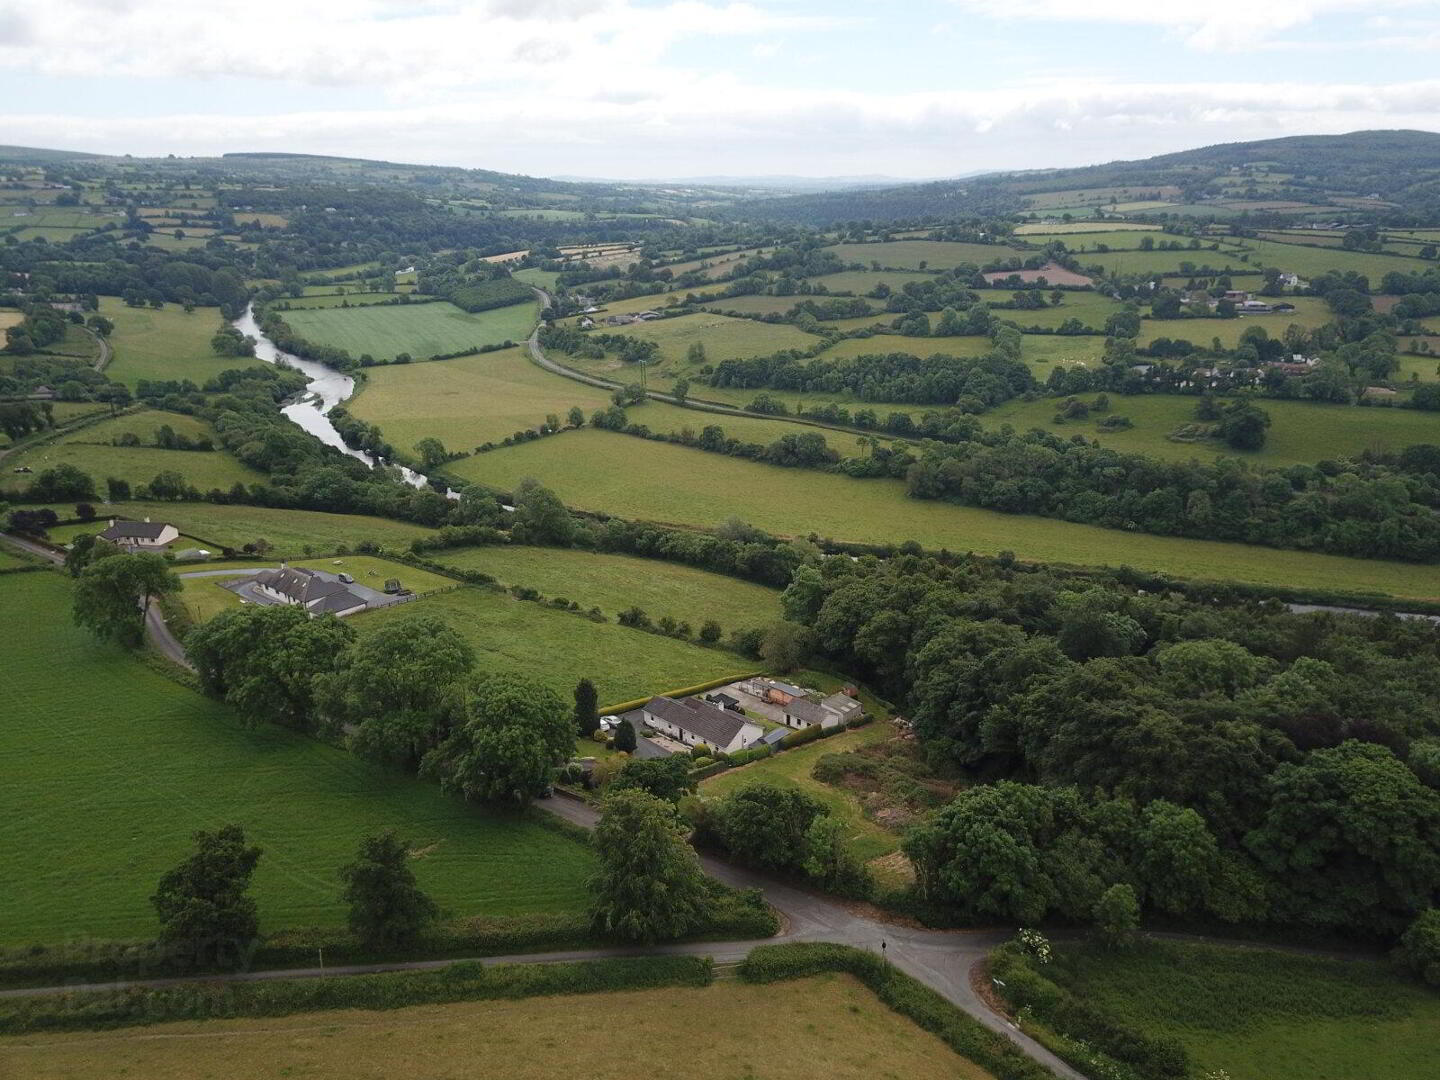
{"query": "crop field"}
pixel 164 344
pixel 1301 432
pixel 1310 312
pixel 1263 1015
pixel 89 449
pixel 84 849
pixel 557 648
pixel 618 1036
pixel 422 330
pixel 205 597
pixel 909 254
pixel 598 470
pixel 289 532
pixel 616 582
pixel 256 217
pixel 10 317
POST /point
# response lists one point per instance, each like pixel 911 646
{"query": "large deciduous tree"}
pixel 766 825
pixel 205 915
pixel 648 886
pixel 387 908
pixel 113 595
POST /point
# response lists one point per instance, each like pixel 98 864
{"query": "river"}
pixel 326 389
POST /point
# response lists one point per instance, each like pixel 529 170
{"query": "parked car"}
pixel 347 579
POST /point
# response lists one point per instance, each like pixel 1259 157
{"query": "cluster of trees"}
pixel 1229 760
pixel 594 346
pixel 472 286
pixel 799 450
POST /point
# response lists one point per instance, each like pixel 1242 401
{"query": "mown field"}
pixel 164 344
pixel 1263 1015
pixel 289 532
pixel 422 330
pixel 616 582
pixel 90 449
pixel 85 842
pixel 1301 432
pixel 558 648
pixel 845 1033
pixel 598 470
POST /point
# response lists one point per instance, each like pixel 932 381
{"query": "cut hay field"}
pixel 164 344
pixel 288 531
pixel 557 648
pixel 909 254
pixel 422 330
pixel 844 1033
pixel 616 582
pixel 1263 1015
pixel 597 470
pixel 1301 432
pixel 90 449
pixel 85 844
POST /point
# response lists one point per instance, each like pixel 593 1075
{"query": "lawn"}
pixel 841 1032
pixel 289 532
pixel 557 648
pixel 422 330
pixel 163 344
pixel 909 254
pixel 90 449
pixel 205 597
pixel 616 582
pixel 114 766
pixel 1263 1015
pixel 598 470
pixel 1301 432
pixel 792 769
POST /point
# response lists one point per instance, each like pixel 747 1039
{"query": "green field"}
pixel 164 344
pixel 1260 1014
pixel 1089 307
pixel 422 330
pixel 1301 432
pixel 1115 238
pixel 616 582
pixel 1310 312
pixel 724 338
pixel 1081 227
pixel 756 305
pixel 85 842
pixel 558 648
pixel 1039 351
pixel 597 470
pixel 909 254
pixel 1168 262
pixel 90 449
pixel 861 282
pixel 288 531
pixel 1310 262
pixel 334 300
pixel 545 279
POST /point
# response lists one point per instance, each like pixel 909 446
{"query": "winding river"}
pixel 326 389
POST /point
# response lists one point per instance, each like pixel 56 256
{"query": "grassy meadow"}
pixel 723 337
pixel 163 344
pixel 1263 1015
pixel 909 254
pixel 617 1036
pixel 597 470
pixel 85 845
pixel 557 648
pixel 422 330
pixel 616 582
pixel 1310 312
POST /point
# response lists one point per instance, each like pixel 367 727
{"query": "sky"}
pixel 676 88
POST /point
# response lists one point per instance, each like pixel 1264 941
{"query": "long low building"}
pixel 698 723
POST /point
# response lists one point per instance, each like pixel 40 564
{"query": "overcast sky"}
pixel 662 88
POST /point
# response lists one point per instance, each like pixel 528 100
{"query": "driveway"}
pixel 244 588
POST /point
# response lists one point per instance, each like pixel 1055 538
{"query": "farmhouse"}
pixel 698 723
pixel 307 589
pixel 144 535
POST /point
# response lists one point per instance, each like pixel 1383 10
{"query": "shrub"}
pixel 1419 948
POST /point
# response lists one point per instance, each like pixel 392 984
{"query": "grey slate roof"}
pixel 771 737
pixel 701 719
pixel 336 602
pixel 306 587
pixel 806 711
pixel 142 530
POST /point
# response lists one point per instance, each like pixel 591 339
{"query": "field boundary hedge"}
pixel 464 981
pixel 905 995
pixel 684 691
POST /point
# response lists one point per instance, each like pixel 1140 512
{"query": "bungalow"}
pixel 306 588
pixel 698 723
pixel 832 711
pixel 144 535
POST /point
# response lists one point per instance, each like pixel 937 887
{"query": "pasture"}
pixel 557 648
pixel 598 470
pixel 1310 262
pixel 1259 1014
pixel 617 1036
pixel 722 336
pixel 1073 227
pixel 756 305
pixel 1170 262
pixel 85 844
pixel 339 300
pixel 1091 308
pixel 1310 312
pixel 909 254
pixel 91 450
pixel 615 582
pixel 422 330
pixel 164 344
pixel 289 532
pixel 1117 239
pixel 861 282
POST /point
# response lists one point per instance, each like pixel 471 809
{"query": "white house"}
pixel 307 589
pixel 144 535
pixel 836 709
pixel 698 723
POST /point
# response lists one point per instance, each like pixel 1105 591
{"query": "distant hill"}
pixel 1363 171
pixel 41 156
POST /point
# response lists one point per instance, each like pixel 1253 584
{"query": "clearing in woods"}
pixel 94 715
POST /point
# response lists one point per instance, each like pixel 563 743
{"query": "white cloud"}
pixel 1209 24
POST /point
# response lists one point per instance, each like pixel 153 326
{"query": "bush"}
pixel 1419 948
pixel 803 736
